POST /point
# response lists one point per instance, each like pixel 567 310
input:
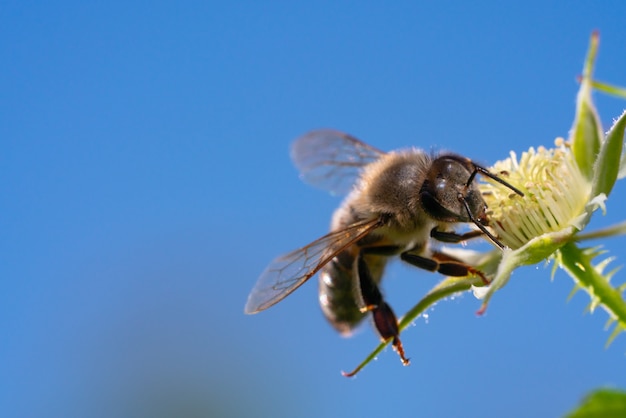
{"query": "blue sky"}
pixel 146 183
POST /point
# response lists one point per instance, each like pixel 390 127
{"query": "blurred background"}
pixel 146 183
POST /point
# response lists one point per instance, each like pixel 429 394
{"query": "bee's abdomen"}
pixel 339 292
pixel 338 296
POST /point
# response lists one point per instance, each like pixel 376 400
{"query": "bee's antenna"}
pixel 487 173
pixel 480 225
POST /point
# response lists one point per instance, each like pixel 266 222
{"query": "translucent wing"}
pixel 332 160
pixel 288 272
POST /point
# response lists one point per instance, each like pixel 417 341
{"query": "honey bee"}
pixel 397 202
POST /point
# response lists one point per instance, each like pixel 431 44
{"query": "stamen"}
pixel 555 194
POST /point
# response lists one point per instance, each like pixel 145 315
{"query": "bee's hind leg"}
pixel 385 320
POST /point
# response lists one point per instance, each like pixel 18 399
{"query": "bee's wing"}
pixel 288 272
pixel 331 160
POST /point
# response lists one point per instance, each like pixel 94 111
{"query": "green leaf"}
pixel 602 403
pixel 586 134
pixel 608 164
pixel 535 251
pixel 622 167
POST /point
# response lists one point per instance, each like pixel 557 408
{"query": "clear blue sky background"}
pixel 146 182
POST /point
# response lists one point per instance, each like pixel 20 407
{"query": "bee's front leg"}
pixel 453 237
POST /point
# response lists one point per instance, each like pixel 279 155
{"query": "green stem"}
pixel 578 265
pixel 609 89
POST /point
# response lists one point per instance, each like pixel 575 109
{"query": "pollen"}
pixel 555 194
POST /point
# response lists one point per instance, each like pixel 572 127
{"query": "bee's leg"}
pixel 444 264
pixel 384 319
pixel 453 237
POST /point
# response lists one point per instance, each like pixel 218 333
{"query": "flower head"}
pixel 562 188
pixel 555 195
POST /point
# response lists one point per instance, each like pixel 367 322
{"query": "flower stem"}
pixel 613 230
pixel 578 264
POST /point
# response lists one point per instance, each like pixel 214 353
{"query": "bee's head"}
pixel 449 193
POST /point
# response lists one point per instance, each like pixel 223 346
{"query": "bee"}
pixel 397 203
